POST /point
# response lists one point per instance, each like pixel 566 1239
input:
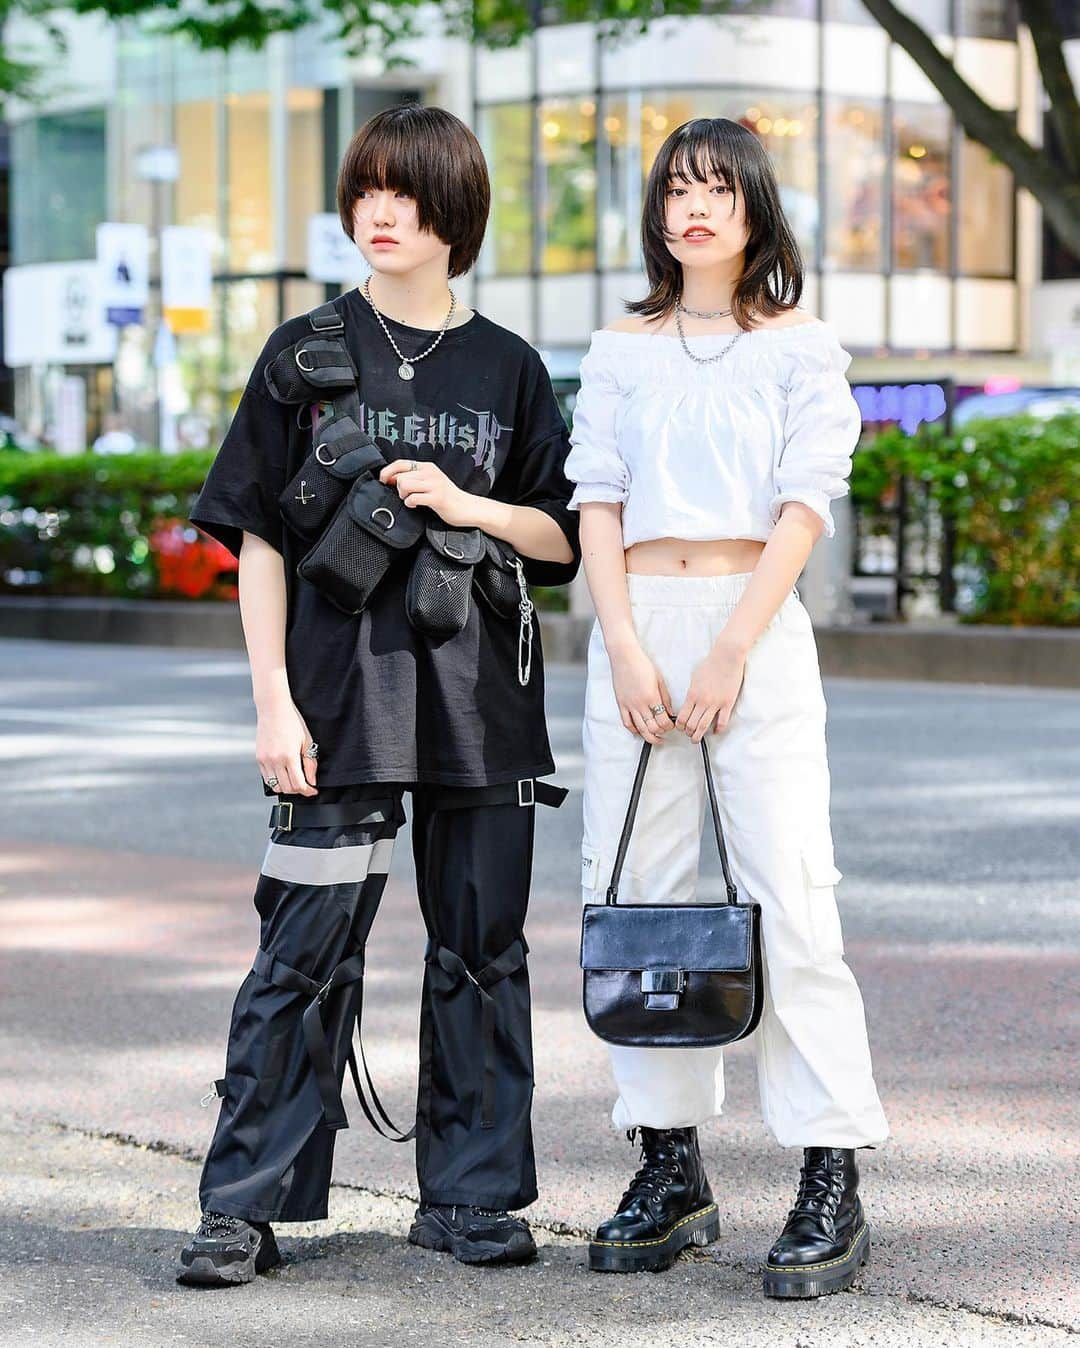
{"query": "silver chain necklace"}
pixel 405 369
pixel 703 313
pixel 680 309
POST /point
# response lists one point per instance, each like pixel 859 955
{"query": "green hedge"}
pixel 84 525
pixel 1011 488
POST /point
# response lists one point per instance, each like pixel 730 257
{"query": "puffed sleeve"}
pixel 594 464
pixel 821 429
pixel 250 471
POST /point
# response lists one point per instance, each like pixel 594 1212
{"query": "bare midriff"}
pixel 699 557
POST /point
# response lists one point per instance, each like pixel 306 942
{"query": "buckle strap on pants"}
pixel 511 959
pixel 348 971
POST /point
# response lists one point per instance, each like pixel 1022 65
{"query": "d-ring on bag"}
pixel 671 975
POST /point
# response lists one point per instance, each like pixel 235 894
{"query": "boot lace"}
pixel 819 1193
pixel 218 1224
pixel 659 1167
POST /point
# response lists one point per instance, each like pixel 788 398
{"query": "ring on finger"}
pixel 271 782
pixel 413 466
pixel 659 709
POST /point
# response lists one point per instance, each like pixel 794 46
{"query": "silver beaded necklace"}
pixel 681 309
pixel 405 369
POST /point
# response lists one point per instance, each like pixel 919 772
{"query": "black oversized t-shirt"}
pixel 385 703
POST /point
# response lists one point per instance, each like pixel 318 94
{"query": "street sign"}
pixel 186 278
pixel 158 163
pixel 331 255
pixel 54 315
pixel 123 252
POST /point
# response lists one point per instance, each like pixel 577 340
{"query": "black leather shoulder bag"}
pixel 671 975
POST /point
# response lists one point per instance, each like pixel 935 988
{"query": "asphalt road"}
pixel 131 827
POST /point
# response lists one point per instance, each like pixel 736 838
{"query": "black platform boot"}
pixel 825 1240
pixel 667 1206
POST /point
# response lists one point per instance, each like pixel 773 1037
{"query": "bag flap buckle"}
pixel 662 988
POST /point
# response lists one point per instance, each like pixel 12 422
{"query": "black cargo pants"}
pixel 291 1034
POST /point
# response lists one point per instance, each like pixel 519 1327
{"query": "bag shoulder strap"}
pixel 325 318
pixel 631 814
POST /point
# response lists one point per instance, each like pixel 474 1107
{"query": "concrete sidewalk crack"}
pixel 563 1229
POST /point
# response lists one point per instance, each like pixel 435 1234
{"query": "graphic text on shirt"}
pixel 477 433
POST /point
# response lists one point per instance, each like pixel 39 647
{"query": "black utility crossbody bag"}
pixel 671 975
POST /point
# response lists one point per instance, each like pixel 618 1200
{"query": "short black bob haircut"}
pixel 772 278
pixel 432 156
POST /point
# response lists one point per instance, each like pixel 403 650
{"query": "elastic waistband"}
pixel 688 591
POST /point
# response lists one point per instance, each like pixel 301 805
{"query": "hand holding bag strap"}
pixel 631 812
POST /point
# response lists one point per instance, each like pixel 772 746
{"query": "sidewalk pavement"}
pixel 130 832
pixel 120 970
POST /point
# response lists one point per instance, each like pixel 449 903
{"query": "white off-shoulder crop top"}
pixel 713 451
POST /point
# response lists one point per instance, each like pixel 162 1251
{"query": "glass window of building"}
pixel 198 189
pixel 854 182
pixel 506 138
pixel 622 178
pixel 251 315
pixel 250 208
pixel 636 125
pixel 568 167
pixel 1059 263
pixel 986 18
pixel 305 170
pixel 984 207
pixel 787 127
pixel 933 15
pixel 921 187
pixel 57 186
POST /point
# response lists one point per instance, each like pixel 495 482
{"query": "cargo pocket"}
pixel 590 873
pixel 820 875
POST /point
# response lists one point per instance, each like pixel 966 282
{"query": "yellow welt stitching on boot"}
pixel 640 1244
pixel 813 1268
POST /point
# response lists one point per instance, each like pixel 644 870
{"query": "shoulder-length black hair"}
pixel 772 277
pixel 432 156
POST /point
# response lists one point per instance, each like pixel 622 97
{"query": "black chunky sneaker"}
pixel 227 1250
pixel 825 1240
pixel 667 1206
pixel 473 1235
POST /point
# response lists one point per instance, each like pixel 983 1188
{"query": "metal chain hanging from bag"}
pixel 526 608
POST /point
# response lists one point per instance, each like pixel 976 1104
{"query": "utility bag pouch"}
pixel 496 577
pixel 316 364
pixel 355 550
pixel 438 595
pixel 342 452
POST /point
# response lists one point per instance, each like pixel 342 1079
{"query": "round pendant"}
pixel 405 370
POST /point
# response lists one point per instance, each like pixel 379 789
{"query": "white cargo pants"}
pixel 813 1060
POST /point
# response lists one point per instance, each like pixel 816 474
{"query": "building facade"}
pixel 917 247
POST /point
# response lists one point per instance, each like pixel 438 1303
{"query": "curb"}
pixel 1041 657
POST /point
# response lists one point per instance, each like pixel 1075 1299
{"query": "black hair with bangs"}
pixel 772 277
pixel 433 157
